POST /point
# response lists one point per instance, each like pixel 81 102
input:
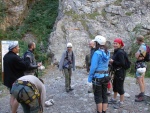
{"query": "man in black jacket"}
pixel 29 57
pixel 14 68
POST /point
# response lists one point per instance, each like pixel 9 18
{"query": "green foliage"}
pixel 2 10
pixel 137 29
pixel 39 22
pixel 118 2
pixel 128 13
pixel 93 15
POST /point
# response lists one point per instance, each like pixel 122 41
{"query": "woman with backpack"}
pixel 99 74
pixel 118 63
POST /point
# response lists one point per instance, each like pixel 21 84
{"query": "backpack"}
pixel 147 56
pixel 127 61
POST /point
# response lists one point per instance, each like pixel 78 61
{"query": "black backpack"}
pixel 127 61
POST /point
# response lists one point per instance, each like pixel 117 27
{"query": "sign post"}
pixel 4 50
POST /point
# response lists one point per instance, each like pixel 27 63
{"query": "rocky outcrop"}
pixel 81 20
pixel 14 12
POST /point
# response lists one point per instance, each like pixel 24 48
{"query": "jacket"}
pixel 14 68
pixel 99 62
pixel 64 63
pixel 119 58
pixel 29 57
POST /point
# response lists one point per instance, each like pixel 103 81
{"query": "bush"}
pixel 39 22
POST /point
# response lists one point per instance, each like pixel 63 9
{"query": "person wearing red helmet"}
pixel 118 63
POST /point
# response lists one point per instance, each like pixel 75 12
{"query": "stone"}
pixel 96 17
pixel 125 111
pixel 16 12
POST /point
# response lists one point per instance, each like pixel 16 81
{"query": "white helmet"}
pixel 69 44
pixel 100 39
pixel 141 70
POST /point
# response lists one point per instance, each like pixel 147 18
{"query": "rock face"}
pixel 15 11
pixel 81 20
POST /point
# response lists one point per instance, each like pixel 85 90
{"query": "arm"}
pixel 43 94
pixel 62 61
pixel 20 64
pixel 94 65
pixel 28 58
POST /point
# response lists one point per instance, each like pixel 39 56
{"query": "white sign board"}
pixel 5 45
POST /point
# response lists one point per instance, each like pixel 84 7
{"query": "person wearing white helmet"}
pixel 66 64
pixel 99 74
pixel 140 68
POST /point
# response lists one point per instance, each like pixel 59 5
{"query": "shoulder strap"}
pixel 67 55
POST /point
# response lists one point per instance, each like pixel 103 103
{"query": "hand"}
pixel 111 61
pixel 39 64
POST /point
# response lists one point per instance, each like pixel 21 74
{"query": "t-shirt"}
pixel 39 85
pixel 142 49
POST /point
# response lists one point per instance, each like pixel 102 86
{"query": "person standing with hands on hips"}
pixel 99 74
pixel 66 64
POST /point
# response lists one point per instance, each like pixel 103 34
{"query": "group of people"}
pixel 29 90
pixel 99 71
pixel 25 88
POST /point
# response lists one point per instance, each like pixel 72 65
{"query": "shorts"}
pixel 138 74
pixel 100 93
pixel 19 92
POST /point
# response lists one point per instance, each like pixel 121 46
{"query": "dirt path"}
pixel 79 101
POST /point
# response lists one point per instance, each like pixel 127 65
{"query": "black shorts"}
pixel 118 81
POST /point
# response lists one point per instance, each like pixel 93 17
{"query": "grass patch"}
pixel 128 13
pixel 93 15
pixel 118 2
pixel 39 22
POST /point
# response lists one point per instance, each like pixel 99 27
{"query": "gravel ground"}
pixel 79 100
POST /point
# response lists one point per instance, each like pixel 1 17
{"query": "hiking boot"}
pixel 112 101
pixel 118 105
pixel 71 89
pixel 139 95
pixel 139 99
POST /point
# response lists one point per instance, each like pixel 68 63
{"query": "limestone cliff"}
pixel 81 20
pixel 13 12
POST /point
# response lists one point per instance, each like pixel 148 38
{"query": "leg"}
pixel 143 81
pixel 70 74
pixel 115 88
pixel 66 79
pixel 98 97
pixel 122 98
pixel 14 104
pixel 104 96
pixel 140 81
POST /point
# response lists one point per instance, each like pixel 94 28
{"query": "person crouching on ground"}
pixel 66 64
pixel 99 74
pixel 30 92
pixel 118 62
